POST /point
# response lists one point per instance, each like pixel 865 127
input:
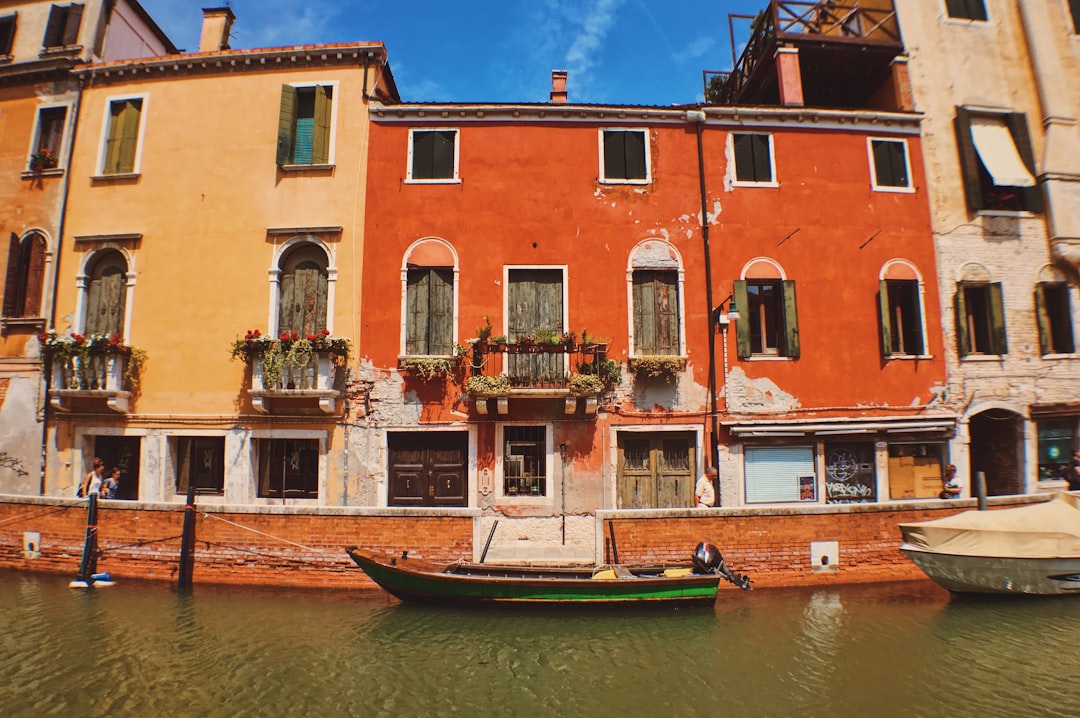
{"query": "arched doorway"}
pixel 997 441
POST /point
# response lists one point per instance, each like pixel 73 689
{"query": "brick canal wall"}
pixel 305 547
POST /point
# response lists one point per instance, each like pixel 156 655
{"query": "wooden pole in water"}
pixel 491 534
pixel 187 540
pixel 980 489
pixel 614 547
pixel 88 565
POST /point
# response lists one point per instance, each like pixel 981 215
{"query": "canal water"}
pixel 144 649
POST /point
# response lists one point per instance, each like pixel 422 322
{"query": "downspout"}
pixel 698 117
pixel 367 63
pixel 56 277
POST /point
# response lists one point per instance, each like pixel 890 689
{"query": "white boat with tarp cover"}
pixel 1024 550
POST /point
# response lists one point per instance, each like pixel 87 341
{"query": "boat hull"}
pixel 998 575
pixel 413 580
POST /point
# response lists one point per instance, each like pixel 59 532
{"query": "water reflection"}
pixel 896 650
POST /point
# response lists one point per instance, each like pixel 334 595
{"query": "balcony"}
pixel 294 374
pixel 566 370
pixel 843 54
pixel 90 379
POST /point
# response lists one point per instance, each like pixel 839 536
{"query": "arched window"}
pixel 106 294
pixel 25 276
pixel 900 307
pixel 429 274
pixel 302 291
pixel 769 326
pixel 656 278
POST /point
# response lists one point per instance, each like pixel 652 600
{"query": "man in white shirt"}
pixel 705 491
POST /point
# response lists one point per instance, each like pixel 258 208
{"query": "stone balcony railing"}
pixel 96 376
pixel 313 383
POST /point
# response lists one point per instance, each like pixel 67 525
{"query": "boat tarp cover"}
pixel 1046 530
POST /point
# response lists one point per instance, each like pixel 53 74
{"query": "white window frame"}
pixel 909 188
pixel 553 489
pixel 732 171
pixel 35 135
pixel 331 148
pixel 405 267
pixel 103 143
pixel 455 179
pixel 642 259
pixel 964 20
pixel 603 178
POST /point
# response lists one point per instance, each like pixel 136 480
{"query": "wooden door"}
pixel 535 306
pixel 428 468
pixel 655 470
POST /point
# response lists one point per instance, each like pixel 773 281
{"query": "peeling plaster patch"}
pixel 756 395
pixel 682 393
pixel 655 254
pixel 716 210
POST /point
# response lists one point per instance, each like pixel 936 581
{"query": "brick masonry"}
pixel 142 541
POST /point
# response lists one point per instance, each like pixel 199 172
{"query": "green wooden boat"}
pixel 414 579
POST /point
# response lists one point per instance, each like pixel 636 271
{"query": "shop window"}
pixel 1053 311
pixel 891 169
pixel 916 471
pixel 901 317
pixel 525 461
pixel 980 319
pixel 625 156
pixel 779 474
pixel 200 460
pixel 656 312
pixel 849 473
pixel 769 326
pixel 429 300
pixel 753 158
pixel 62 29
pixel 304 125
pixel 288 468
pixel 998 162
pixel 433 155
pixel 966 9
pixel 1056 441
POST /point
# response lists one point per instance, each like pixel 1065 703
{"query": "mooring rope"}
pixel 263 533
pixel 44 512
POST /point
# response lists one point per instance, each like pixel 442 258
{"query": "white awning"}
pixel 998 152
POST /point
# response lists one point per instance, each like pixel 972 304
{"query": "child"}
pixel 111 487
pixel 950 489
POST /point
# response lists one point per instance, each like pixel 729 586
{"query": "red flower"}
pixel 326 332
pixel 78 338
pixel 284 336
pixel 257 334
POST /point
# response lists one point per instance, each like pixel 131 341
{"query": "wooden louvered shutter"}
pixel 644 320
pixel 886 318
pixel 791 320
pixel 969 160
pixel 1042 318
pixel 963 340
pixel 1018 128
pixel 105 304
pixel 34 259
pixel 416 303
pixel 54 29
pixel 11 280
pixel 441 312
pixel 129 135
pixel 303 300
pixel 71 24
pixel 997 319
pixel 742 326
pixel 286 125
pixel 320 140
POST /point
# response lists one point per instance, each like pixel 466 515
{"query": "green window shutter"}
pixel 742 326
pixel 791 320
pixel 667 313
pixel 113 141
pixel 886 318
pixel 1042 318
pixel 644 320
pixel 963 341
pixel 1018 128
pixel 969 160
pixel 11 281
pixel 286 125
pixel 307 315
pixel 320 141
pixel 129 136
pixel 286 304
pixel 416 305
pixel 105 306
pixel 71 24
pixel 997 319
pixel 918 345
pixel 441 311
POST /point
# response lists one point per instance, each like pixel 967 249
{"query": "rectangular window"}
pixel 753 158
pixel 916 471
pixel 901 317
pixel 123 125
pixel 288 468
pixel 429 324
pixel 769 326
pixel 966 9
pixel 1056 441
pixel 625 156
pixel 433 155
pixel 1074 10
pixel 200 460
pixel 304 125
pixel 1053 311
pixel 998 161
pixel 7 33
pixel 45 152
pixel 656 470
pixel 525 461
pixel 62 29
pixel 778 473
pixel 889 161
pixel 849 473
pixel 980 319
pixel 534 308
pixel 656 312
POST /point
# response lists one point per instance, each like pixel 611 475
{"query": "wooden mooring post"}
pixel 187 540
pixel 88 564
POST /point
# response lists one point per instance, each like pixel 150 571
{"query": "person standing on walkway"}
pixel 91 484
pixel 705 491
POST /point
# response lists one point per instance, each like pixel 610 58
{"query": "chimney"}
pixel 558 87
pixel 216 24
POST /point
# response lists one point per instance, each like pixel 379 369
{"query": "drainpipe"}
pixel 56 276
pixel 698 117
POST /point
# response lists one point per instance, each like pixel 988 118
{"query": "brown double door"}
pixel 656 470
pixel 428 468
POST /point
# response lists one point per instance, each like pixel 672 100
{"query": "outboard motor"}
pixel 707 559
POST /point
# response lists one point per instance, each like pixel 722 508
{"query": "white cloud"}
pixel 695 49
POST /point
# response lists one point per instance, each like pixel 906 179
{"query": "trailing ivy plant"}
pixel 429 367
pixel 655 367
pixel 585 384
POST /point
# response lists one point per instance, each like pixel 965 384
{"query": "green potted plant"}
pixel 487 386
pixel 429 368
pixel 585 384
pixel 43 159
pixel 658 366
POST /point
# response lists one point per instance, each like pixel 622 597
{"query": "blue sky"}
pixel 637 52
